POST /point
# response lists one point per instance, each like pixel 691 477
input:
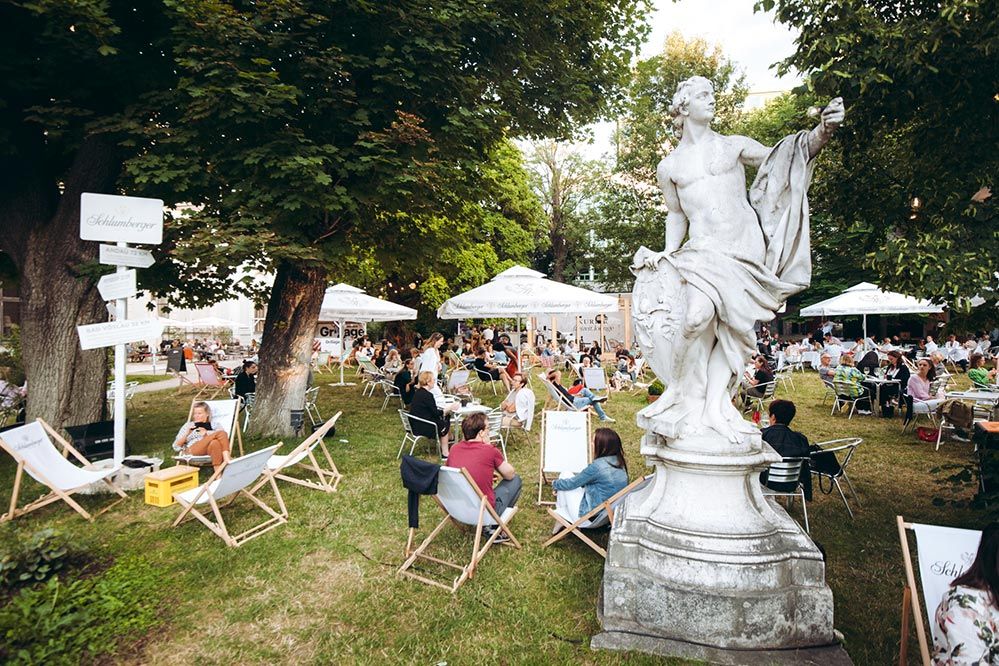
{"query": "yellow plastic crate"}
pixel 161 485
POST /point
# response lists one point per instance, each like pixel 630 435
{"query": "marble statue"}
pixel 700 563
pixel 696 303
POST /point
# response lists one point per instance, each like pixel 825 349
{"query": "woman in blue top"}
pixel 602 478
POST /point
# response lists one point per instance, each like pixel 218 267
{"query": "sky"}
pixel 754 41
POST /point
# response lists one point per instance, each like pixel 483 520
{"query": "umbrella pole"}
pixel 865 329
pixel 516 347
pixel 343 323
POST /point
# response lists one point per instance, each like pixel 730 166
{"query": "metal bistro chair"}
pixel 486 378
pixel 311 397
pixel 788 471
pixel 246 406
pixel 759 401
pixel 843 398
pixel 391 391
pixel 845 447
pixel 830 391
pixel 411 437
pixel 495 420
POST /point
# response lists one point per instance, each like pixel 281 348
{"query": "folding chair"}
pixel 555 396
pixel 599 516
pixel 227 413
pixel 843 398
pixel 329 477
pixel 849 445
pixel 230 481
pixel 565 446
pixel 311 397
pixel 463 504
pixel 788 471
pixel 32 449
pixel 208 379
pixel 411 437
pixel 596 380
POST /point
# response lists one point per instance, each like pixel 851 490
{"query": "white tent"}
pixel 521 292
pixel 343 303
pixel 866 298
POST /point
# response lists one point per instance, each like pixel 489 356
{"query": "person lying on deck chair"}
pixel 203 436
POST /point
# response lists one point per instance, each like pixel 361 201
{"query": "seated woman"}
pixel 488 372
pixel 899 371
pixel 424 406
pixel 624 373
pixel 979 376
pixel 405 382
pixel 203 436
pixel 968 614
pixel 755 383
pixel 600 480
pixel 918 388
pixel 392 364
pixel 246 380
pixel 849 380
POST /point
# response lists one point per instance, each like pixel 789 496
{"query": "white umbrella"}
pixel 520 292
pixel 866 298
pixel 343 303
pixel 207 323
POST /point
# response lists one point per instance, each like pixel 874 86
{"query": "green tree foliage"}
pixel 628 209
pixel 922 132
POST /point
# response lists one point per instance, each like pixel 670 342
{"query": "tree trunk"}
pixel 286 347
pixel 66 386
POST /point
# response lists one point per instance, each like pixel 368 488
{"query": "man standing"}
pixel 476 454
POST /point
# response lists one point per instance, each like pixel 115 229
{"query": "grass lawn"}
pixel 322 589
pixel 147 379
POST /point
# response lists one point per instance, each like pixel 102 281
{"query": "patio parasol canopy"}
pixel 343 302
pixel 522 292
pixel 867 298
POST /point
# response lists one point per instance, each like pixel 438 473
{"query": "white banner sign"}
pixel 108 217
pixel 117 285
pixel 126 256
pixel 112 333
pixel 567 446
pixel 944 553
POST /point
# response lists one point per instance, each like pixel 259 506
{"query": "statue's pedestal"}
pixel 701 565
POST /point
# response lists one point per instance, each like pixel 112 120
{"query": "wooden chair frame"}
pixel 235 434
pixel 910 603
pixel 328 478
pixel 479 548
pixel 218 526
pixel 577 527
pixel 55 494
pixel 203 387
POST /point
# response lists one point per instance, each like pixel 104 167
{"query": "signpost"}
pixel 122 220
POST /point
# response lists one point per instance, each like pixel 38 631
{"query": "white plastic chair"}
pixel 32 449
pixel 230 481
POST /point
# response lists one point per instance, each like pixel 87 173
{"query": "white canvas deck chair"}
pixel 32 449
pixel 595 380
pixel 463 504
pixel 555 397
pixel 208 380
pixel 305 456
pixel 599 516
pixel 952 547
pixel 565 446
pixel 227 413
pixel 230 481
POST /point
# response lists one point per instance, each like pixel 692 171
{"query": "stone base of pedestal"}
pixel 702 565
pixel 833 655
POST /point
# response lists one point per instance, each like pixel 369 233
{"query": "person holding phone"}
pixel 203 436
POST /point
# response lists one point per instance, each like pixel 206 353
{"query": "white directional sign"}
pixel 117 285
pixel 111 333
pixel 126 256
pixel 108 217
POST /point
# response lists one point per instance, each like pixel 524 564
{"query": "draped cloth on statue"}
pixel 744 289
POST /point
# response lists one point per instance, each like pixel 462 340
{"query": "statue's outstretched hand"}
pixel 833 114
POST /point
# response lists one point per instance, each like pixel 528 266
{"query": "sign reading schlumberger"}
pixel 108 217
pixel 111 333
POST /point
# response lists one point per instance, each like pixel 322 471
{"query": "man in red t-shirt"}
pixel 477 455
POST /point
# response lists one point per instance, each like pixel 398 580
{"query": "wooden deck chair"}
pixel 32 449
pixel 565 446
pixel 555 397
pixel 227 413
pixel 599 516
pixel 463 504
pixel 596 380
pixel 329 476
pixel 208 381
pixel 231 480
pixel 934 544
